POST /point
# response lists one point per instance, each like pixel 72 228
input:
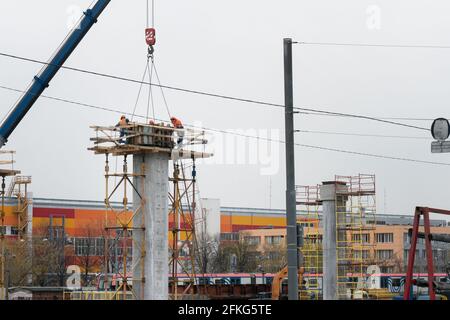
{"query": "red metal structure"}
pixel 425 212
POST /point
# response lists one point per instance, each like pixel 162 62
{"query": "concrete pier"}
pixel 154 217
pixel 330 234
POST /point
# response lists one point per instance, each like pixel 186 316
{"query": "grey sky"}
pixel 235 48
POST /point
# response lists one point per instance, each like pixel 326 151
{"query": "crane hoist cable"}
pixel 150 93
pixel 150 38
pixel 140 90
pixel 151 41
pixel 162 90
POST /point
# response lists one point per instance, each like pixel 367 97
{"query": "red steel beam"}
pixel 429 250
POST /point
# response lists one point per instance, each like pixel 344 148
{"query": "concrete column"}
pixel 330 269
pixel 329 279
pixel 154 217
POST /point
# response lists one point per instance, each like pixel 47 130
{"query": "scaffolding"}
pixel 18 188
pixel 308 201
pixel 183 226
pixel 118 231
pixel 139 140
pixel 355 218
pixel 4 172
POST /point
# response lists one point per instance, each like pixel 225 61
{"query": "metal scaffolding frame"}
pixel 355 218
pixel 183 219
pixel 308 201
pixel 18 188
pixel 10 172
pixel 120 230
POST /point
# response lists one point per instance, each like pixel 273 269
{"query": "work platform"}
pixel 144 139
pixel 6 172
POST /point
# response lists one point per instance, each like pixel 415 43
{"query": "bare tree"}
pixel 237 256
pixel 18 262
pixel 273 257
pixel 207 247
pixel 49 255
pixel 87 253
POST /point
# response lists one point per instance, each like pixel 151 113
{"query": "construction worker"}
pixel 123 122
pixel 178 125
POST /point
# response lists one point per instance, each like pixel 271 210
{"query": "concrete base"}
pixel 154 217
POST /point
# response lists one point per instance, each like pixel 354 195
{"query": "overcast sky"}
pixel 235 48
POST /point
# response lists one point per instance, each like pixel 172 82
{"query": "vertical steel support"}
pixel 175 231
pixel 430 266
pixel 291 206
pixel 411 256
pixel 108 205
pixel 143 251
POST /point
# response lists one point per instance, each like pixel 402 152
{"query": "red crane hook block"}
pixel 150 36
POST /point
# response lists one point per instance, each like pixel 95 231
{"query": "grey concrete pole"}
pixel 331 236
pixel 329 285
pixel 291 205
pixel 154 217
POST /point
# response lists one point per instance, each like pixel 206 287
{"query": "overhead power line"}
pixel 357 116
pixel 383 45
pixel 215 95
pixel 239 134
pixel 382 118
pixel 362 135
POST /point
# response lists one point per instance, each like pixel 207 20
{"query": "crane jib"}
pixel 42 80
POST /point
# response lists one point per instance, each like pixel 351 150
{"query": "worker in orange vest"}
pixel 123 122
pixel 178 125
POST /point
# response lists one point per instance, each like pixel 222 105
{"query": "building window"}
pixel 307 224
pixel 405 257
pixel 313 239
pixel 229 236
pixel 406 238
pixel 361 254
pixel 384 269
pixel 385 254
pixel 14 231
pixel 252 240
pixel 89 246
pixel 273 239
pixel 358 237
pixel 384 237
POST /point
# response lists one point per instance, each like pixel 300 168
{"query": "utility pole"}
pixel 291 202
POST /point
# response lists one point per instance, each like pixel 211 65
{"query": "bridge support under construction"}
pixel 152 147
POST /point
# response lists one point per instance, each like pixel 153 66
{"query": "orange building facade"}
pixel 79 220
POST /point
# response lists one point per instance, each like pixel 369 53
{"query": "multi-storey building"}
pixel 82 224
pixel 387 244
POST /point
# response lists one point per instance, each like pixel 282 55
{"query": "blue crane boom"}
pixel 42 80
